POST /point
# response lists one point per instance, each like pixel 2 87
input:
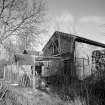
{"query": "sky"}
pixel 84 18
pixel 78 8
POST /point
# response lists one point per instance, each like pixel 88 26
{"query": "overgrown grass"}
pixel 81 93
pixel 75 94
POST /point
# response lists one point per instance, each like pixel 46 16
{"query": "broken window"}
pixel 56 47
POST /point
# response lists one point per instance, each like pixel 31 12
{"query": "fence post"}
pixel 34 78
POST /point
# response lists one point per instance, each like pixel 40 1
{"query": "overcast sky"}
pixel 82 17
pixel 78 8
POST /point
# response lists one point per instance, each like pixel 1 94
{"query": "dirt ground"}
pixel 16 95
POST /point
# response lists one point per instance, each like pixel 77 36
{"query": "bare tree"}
pixel 21 18
pixel 29 37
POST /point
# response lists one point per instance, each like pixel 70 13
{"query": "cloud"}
pixel 91 27
pixel 93 19
pixel 64 22
pixel 88 27
pixel 59 22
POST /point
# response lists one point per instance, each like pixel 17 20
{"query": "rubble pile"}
pixel 98 61
pixel 98 58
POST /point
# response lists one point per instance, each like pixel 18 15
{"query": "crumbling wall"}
pixel 83 59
